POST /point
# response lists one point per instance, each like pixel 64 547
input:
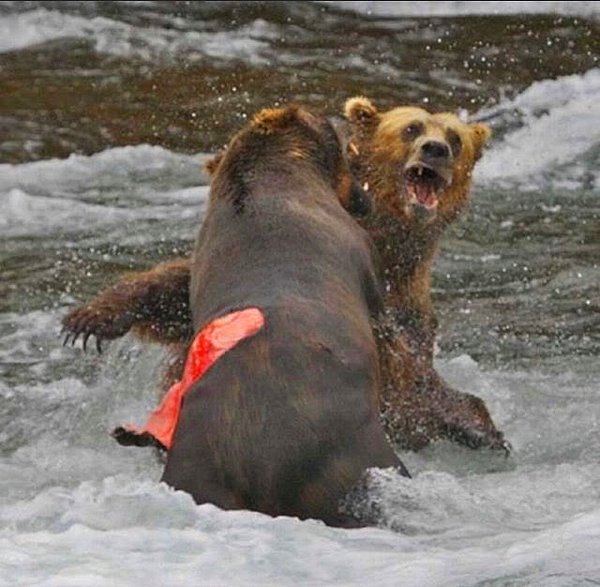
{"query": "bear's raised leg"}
pixel 154 303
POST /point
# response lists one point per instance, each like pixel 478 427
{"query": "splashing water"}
pixel 516 287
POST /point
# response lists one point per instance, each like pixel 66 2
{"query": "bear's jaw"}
pixel 423 185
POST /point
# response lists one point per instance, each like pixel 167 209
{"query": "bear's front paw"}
pixel 90 320
pixel 468 422
pixel 472 435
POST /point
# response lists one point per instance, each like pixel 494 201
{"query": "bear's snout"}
pixel 435 150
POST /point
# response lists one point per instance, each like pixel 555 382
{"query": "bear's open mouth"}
pixel 423 184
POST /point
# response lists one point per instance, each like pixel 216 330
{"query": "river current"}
pixel 107 110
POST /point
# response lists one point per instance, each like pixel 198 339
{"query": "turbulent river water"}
pixel 106 112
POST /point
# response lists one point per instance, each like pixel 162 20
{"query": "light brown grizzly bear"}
pixel 417 167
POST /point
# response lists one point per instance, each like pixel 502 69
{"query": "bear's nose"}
pixel 435 150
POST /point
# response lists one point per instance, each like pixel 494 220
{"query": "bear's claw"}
pixel 475 438
pixel 88 321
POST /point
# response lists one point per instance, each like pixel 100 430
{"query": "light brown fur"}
pixel 406 238
pixel 418 405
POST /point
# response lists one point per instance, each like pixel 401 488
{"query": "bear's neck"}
pixel 407 252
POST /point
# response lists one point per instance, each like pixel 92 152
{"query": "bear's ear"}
pixel 361 111
pixel 270 120
pixel 212 164
pixel 480 134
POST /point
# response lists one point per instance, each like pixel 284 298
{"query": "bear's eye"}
pixel 412 131
pixel 455 142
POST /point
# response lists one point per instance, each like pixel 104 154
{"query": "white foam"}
pixel 117 187
pixel 557 139
pixel 24 214
pixel 24 29
pixel 104 169
pixel 122 531
pixel 442 8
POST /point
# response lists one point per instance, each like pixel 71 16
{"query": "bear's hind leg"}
pixel 423 408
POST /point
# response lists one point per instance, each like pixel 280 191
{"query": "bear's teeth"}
pixel 412 193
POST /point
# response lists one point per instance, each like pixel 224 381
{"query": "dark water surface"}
pixel 105 111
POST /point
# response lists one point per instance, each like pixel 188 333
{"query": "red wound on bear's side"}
pixel 215 339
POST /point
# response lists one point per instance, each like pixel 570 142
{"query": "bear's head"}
pixel 417 164
pixel 293 135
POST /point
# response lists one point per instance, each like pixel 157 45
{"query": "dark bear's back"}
pixel 282 423
pixel 303 244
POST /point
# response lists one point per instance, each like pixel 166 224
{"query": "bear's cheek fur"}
pixel 387 140
pixel 388 156
pixel 453 200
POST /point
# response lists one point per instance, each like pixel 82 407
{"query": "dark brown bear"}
pixel 413 204
pixel 287 421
